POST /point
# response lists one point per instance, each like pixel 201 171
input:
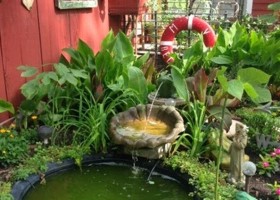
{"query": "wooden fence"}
pixel 37 37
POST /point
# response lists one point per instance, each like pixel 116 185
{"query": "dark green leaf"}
pixel 6 106
pixel 61 69
pixel 235 88
pixel 253 76
pixel 222 60
pixel 137 82
pixel 180 83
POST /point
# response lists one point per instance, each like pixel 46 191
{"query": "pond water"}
pixel 108 182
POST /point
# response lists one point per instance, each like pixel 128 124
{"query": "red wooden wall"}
pixel 260 7
pixel 38 36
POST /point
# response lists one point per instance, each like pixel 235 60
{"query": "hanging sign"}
pixel 70 4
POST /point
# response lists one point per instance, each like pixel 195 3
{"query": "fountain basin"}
pixel 147 127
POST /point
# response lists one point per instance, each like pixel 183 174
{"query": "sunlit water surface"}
pixel 107 182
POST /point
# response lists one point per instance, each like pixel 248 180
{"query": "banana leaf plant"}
pixel 214 89
pixel 114 68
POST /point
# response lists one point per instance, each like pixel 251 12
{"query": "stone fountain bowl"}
pixel 141 139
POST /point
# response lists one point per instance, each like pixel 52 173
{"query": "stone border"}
pixel 20 188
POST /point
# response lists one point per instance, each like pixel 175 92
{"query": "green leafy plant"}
pixel 13 147
pixel 202 176
pixel 238 48
pixel 80 94
pixel 269 163
pixel 88 123
pixel 5 191
pixel 37 164
pixel 114 67
pixel 195 137
pixel 6 106
pixel 275 188
pixel 255 119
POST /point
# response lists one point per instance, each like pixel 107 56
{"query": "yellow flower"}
pixel 12 125
pixel 34 117
pixel 12 136
pixel 2 130
pixel 8 131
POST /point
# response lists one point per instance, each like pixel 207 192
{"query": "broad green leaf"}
pixel 71 79
pixel 61 81
pixel 222 60
pixel 108 42
pixel 123 47
pixel 84 49
pixel 140 62
pixel 61 69
pixel 250 90
pixel 217 111
pixel 27 71
pixel 235 88
pixel 222 79
pixel 253 76
pixel 223 82
pixel 105 66
pixel 75 56
pixel 30 89
pixel 274 6
pixel 180 83
pixel 137 82
pixel 79 73
pixel 221 40
pixel 46 80
pixel 264 95
pixel 256 42
pixel 53 76
pixel 6 106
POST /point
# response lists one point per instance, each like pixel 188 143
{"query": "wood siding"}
pixel 260 7
pixel 38 36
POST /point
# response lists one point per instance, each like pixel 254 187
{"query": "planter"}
pixel 122 7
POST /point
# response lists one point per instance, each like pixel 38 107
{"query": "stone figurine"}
pixel 236 152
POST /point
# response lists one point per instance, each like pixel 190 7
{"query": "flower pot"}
pixel 122 7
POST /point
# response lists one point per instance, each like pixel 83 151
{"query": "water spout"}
pixel 151 172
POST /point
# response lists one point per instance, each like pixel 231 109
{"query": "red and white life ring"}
pixel 185 23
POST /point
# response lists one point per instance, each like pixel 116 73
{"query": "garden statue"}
pixel 236 152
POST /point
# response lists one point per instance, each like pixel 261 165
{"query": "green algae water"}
pixel 107 182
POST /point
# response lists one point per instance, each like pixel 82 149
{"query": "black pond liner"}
pixel 20 188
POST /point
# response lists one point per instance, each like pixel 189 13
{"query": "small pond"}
pixel 106 178
pixel 108 182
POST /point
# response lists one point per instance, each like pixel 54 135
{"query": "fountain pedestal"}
pixel 150 153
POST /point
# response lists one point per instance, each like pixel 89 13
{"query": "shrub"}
pixel 203 176
pixel 13 147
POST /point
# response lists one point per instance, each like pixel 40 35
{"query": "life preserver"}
pixel 185 23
